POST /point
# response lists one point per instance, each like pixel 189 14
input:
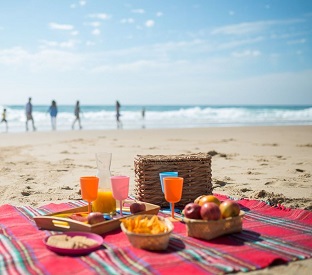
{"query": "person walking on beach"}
pixel 29 115
pixel 119 124
pixel 143 117
pixel 4 119
pixel 53 113
pixel 77 115
pixel 143 113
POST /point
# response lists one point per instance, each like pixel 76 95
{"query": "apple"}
pixel 137 207
pixel 198 198
pixel 210 211
pixel 192 211
pixel 209 198
pixel 78 217
pixel 142 206
pixel 95 217
pixel 229 208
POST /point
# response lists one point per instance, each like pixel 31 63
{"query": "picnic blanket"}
pixel 270 236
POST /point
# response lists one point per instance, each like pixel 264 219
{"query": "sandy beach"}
pixel 273 164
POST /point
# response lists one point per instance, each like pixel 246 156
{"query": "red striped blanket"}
pixel 270 236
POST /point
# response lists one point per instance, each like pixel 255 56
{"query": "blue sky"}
pixel 156 51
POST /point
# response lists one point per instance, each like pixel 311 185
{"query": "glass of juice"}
pixel 120 187
pixel 105 202
pixel 89 189
pixel 173 187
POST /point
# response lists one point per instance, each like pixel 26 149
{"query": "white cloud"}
pixel 247 53
pixel 159 14
pixel 96 32
pixel 141 11
pixel 65 44
pixel 82 3
pixel 149 23
pixel 103 16
pixel 299 41
pixel 252 27
pixel 94 24
pixel 240 42
pixel 13 56
pixel 127 20
pixel 56 26
pixel 136 66
pixel 74 33
pixel 43 59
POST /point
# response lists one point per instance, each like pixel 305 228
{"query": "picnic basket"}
pixel 194 168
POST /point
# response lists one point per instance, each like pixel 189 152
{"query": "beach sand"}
pixel 267 163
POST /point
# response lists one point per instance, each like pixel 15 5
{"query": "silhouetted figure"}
pixel 29 115
pixel 143 113
pixel 77 115
pixel 119 123
pixel 143 117
pixel 53 113
pixel 4 119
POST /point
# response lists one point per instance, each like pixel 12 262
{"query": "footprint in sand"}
pixel 269 183
pixel 253 173
pixel 246 190
pixel 270 144
pixel 305 145
pixel 228 140
pixel 280 157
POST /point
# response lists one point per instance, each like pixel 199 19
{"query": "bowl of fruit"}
pixel 150 232
pixel 207 217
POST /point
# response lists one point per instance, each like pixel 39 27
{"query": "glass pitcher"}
pixel 105 202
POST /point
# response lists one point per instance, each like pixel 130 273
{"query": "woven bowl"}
pixel 150 241
pixel 208 230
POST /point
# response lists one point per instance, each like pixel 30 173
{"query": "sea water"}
pixel 102 117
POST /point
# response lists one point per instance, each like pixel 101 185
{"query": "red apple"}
pixel 137 207
pixel 78 217
pixel 142 206
pixel 210 211
pixel 229 208
pixel 95 217
pixel 192 211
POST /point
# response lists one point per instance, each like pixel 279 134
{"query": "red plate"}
pixel 76 251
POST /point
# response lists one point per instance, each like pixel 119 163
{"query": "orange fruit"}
pixel 209 198
pixel 198 198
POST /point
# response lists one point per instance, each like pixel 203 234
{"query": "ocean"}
pixel 104 117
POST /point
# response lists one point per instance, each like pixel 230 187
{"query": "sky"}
pixel 173 52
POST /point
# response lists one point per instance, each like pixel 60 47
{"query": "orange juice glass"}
pixel 105 202
pixel 89 189
pixel 173 187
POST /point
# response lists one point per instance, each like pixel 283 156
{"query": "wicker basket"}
pixel 208 230
pixel 150 241
pixel 194 168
